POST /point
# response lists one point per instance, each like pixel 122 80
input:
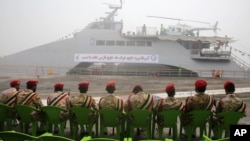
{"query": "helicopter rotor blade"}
pixel 178 19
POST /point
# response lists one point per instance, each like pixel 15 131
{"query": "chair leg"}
pixel 175 133
pixel 34 128
pixel 160 132
pixel 62 125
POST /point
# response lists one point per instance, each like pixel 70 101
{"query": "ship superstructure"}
pixel 102 47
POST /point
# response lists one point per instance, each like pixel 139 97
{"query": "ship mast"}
pixel 110 17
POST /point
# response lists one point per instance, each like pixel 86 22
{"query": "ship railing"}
pixel 41 71
pixel 150 31
pixel 241 63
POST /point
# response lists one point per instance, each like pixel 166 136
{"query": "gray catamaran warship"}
pixel 102 47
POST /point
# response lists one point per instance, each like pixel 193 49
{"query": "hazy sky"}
pixel 29 23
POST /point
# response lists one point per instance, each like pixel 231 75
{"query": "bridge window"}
pixel 100 42
pixel 110 43
pixel 130 43
pixel 120 43
pixel 140 43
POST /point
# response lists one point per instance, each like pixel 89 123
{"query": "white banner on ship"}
pixel 117 58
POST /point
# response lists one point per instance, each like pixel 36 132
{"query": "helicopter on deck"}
pixel 184 29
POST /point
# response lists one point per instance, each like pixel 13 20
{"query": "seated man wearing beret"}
pixel 59 99
pixel 9 98
pixel 170 102
pixel 83 100
pixel 229 103
pixel 111 101
pixel 200 101
pixel 9 95
pixel 29 96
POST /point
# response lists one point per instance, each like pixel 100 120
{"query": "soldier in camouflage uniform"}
pixel 169 103
pixel 29 96
pixel 59 99
pixel 111 101
pixel 139 100
pixel 229 103
pixel 200 101
pixel 83 100
pixel 9 96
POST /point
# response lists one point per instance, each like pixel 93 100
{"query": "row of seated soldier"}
pixel 138 99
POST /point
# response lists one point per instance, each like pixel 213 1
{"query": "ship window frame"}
pixel 140 43
pixel 130 43
pixel 100 42
pixel 110 42
pixel 120 43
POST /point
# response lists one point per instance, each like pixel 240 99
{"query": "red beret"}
pixel 227 83
pixel 59 85
pixel 110 84
pixel 200 84
pixel 83 84
pixel 14 83
pixel 32 82
pixel 170 87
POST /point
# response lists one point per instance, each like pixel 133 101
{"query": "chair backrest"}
pixel 54 138
pixel 140 118
pixel 16 136
pixel 25 111
pixel 4 112
pixel 169 117
pixel 229 118
pixel 82 115
pixel 89 138
pixel 52 114
pixel 111 118
pixel 199 117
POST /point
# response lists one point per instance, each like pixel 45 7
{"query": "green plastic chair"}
pixel 112 118
pixel 25 112
pixel 16 136
pixel 139 119
pixel 6 117
pixel 229 118
pixel 51 137
pixel 169 118
pixel 53 117
pixel 199 120
pixel 82 117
